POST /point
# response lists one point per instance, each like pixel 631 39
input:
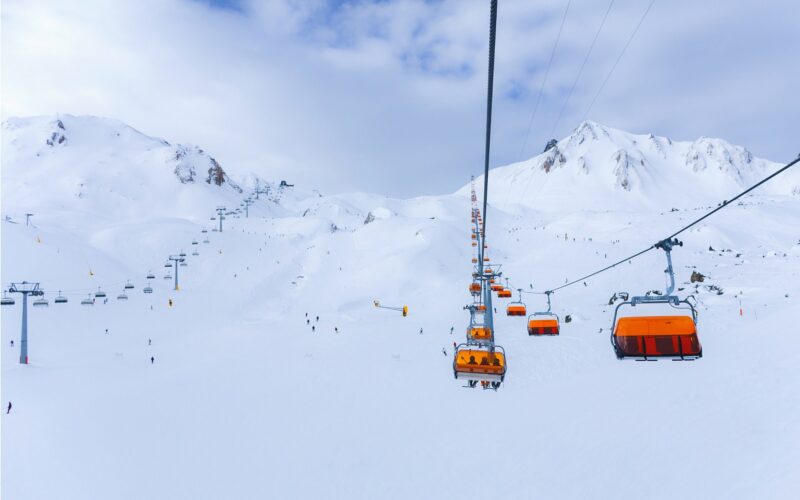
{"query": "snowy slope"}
pixel 245 401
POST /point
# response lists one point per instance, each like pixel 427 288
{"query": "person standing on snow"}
pixel 9 408
pixel 444 351
pixel 152 359
pixel 420 331
pixel 451 330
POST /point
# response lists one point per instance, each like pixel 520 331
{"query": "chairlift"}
pixel 475 362
pixel 204 231
pixel 505 293
pixel 480 333
pixel 41 302
pixel 182 254
pixel 517 308
pixel 195 253
pixel 168 264
pixel 167 276
pixel 6 300
pixel 544 322
pixel 60 299
pixel 100 294
pixel 151 276
pixel 194 242
pixel 147 289
pixel 475 288
pixel 88 301
pixel 474 243
pixel 129 286
pixel 183 263
pixel 474 260
pixel 649 338
pixel 122 296
pixel 206 241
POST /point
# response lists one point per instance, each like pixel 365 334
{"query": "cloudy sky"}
pixel 389 96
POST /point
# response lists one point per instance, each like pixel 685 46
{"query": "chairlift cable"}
pixel 544 81
pixel 622 53
pixel 580 71
pixel 722 205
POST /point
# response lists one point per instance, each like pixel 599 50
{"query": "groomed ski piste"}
pixel 242 399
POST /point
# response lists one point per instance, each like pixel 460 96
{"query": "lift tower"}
pixel 25 289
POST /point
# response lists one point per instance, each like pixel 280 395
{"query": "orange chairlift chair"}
pixel 504 292
pixel 517 308
pixel 478 332
pixel 544 322
pixel 649 338
pixel 474 363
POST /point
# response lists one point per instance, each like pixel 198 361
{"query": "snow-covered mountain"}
pixel 599 168
pixel 104 168
pixel 270 373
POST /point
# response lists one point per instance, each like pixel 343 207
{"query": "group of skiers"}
pixel 314 326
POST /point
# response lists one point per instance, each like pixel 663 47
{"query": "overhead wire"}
pixel 544 81
pixel 619 58
pixel 722 205
pixel 580 71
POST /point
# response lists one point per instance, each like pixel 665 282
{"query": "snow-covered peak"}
pixel 100 165
pixel 598 167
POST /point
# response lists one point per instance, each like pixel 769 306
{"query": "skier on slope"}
pixel 451 330
pixel 152 359
pixel 444 351
pixel 420 330
pixel 9 408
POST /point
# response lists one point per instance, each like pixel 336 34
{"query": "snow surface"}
pixel 245 401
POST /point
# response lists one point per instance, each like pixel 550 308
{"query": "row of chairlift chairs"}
pixel 637 337
pixel 61 299
pixel 40 302
pixel 479 359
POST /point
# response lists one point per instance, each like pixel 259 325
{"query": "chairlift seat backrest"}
pixel 646 337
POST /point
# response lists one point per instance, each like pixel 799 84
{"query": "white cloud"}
pixel 390 96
